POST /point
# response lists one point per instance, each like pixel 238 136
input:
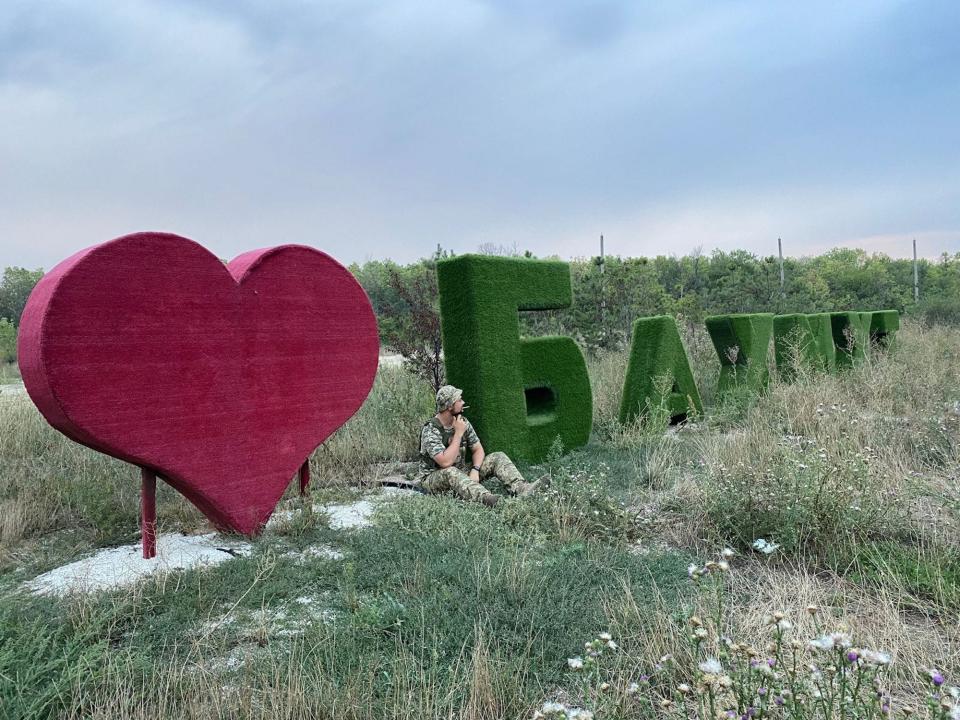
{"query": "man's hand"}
pixel 475 475
pixel 459 425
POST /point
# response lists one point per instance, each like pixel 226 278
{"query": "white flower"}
pixel 762 546
pixel 727 553
pixel 611 644
pixel 784 624
pixel 824 642
pixel 711 666
pixel 723 565
pixel 872 657
pixel 692 570
pixel 575 663
pixel 841 640
pixel 632 688
pixel 552 709
pixel 700 632
pixel 605 636
pixel 578 714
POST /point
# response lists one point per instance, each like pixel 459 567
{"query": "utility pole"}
pixel 603 294
pixel 783 292
pixel 916 274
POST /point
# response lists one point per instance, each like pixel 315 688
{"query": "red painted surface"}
pixel 148 513
pixel 221 379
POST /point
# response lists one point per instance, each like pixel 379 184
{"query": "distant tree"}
pixel 8 341
pixel 414 330
pixel 15 288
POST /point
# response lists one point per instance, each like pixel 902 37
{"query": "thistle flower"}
pixel 824 642
pixel 711 666
pixel 936 677
pixel 727 553
pixel 575 663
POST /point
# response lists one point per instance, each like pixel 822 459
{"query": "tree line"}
pixel 690 288
pixel 605 304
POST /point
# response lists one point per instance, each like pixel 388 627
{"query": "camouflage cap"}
pixel 447 396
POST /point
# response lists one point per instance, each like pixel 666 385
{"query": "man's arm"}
pixel 478 456
pixel 448 457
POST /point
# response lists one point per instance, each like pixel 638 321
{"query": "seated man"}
pixel 444 442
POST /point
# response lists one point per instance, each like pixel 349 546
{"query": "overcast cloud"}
pixel 381 129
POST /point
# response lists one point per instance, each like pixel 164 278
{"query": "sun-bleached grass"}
pixel 449 610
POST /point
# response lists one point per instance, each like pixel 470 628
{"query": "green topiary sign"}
pixel 657 352
pixel 741 342
pixel 822 330
pixel 851 336
pixel 522 393
pixel 794 344
pixel 884 325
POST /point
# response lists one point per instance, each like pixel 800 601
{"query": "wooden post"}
pixel 304 476
pixel 148 512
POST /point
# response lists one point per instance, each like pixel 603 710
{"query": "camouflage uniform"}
pixel 434 439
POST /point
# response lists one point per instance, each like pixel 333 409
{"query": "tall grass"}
pixel 447 609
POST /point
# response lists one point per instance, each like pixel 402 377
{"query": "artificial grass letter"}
pixel 657 352
pixel 522 393
pixel 822 330
pixel 851 336
pixel 884 325
pixel 795 345
pixel 741 342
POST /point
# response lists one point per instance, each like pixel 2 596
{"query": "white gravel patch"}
pixel 353 515
pixel 13 389
pixel 121 566
pixel 324 552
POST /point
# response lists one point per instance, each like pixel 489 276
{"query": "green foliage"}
pixel 795 345
pixel 693 286
pixel 851 337
pixel 657 352
pixel 8 341
pixel 15 288
pixel 928 573
pixel 804 495
pixel 939 310
pixel 742 343
pixel 522 392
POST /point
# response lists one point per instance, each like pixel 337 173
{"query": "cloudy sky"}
pixel 380 129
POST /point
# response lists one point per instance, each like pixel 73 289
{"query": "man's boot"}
pixel 490 500
pixel 524 489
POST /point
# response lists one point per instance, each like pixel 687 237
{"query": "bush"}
pixel 940 311
pixel 8 341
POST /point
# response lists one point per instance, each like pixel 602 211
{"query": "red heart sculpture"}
pixel 220 378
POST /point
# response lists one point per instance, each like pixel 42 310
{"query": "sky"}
pixel 381 129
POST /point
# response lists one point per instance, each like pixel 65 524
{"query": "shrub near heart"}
pixel 221 379
pixel 523 393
